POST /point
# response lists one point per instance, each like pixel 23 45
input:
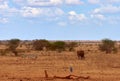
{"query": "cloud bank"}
pixel 59 10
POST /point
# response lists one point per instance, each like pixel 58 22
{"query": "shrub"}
pixel 107 45
pixel 12 45
pixel 71 46
pixel 40 44
pixel 58 46
pixel 3 52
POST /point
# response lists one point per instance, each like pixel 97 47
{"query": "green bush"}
pixel 58 46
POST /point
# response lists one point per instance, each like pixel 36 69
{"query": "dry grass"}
pixel 97 65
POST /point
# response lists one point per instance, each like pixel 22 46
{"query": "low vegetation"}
pixel 71 46
pixel 58 46
pixel 108 46
pixel 12 45
pixel 41 44
pixel 30 65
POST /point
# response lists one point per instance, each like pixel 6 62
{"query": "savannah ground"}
pixel 97 65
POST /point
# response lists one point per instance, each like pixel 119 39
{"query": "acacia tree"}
pixel 107 45
pixel 12 45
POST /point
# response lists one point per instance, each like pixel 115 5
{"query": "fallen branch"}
pixel 66 77
pixel 72 77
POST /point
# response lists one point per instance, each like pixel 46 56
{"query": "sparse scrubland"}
pixel 27 60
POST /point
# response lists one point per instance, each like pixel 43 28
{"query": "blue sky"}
pixel 60 19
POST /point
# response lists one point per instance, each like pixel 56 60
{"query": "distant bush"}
pixel 40 44
pixel 4 52
pixel 12 45
pixel 0 42
pixel 71 45
pixel 58 46
pixel 108 46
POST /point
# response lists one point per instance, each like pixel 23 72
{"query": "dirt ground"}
pixel 98 66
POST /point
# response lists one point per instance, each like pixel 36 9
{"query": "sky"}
pixel 60 19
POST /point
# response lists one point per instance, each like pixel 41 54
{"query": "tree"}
pixel 58 45
pixel 40 44
pixel 12 45
pixel 107 45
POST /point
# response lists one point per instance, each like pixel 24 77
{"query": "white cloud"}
pixel 62 23
pixel 56 2
pixel 73 2
pixel 6 10
pixel 13 10
pixel 72 13
pixel 100 19
pixel 58 11
pixel 4 5
pixel 37 12
pixel 3 20
pixel 44 2
pixel 98 16
pixel 2 1
pixel 94 1
pixel 53 2
pixel 107 9
pixel 41 9
pixel 111 1
pixel 52 12
pixel 104 2
pixel 74 16
pixel 20 2
pixel 114 19
pixel 31 12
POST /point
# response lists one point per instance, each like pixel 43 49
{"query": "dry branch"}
pixel 72 77
pixel 66 77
